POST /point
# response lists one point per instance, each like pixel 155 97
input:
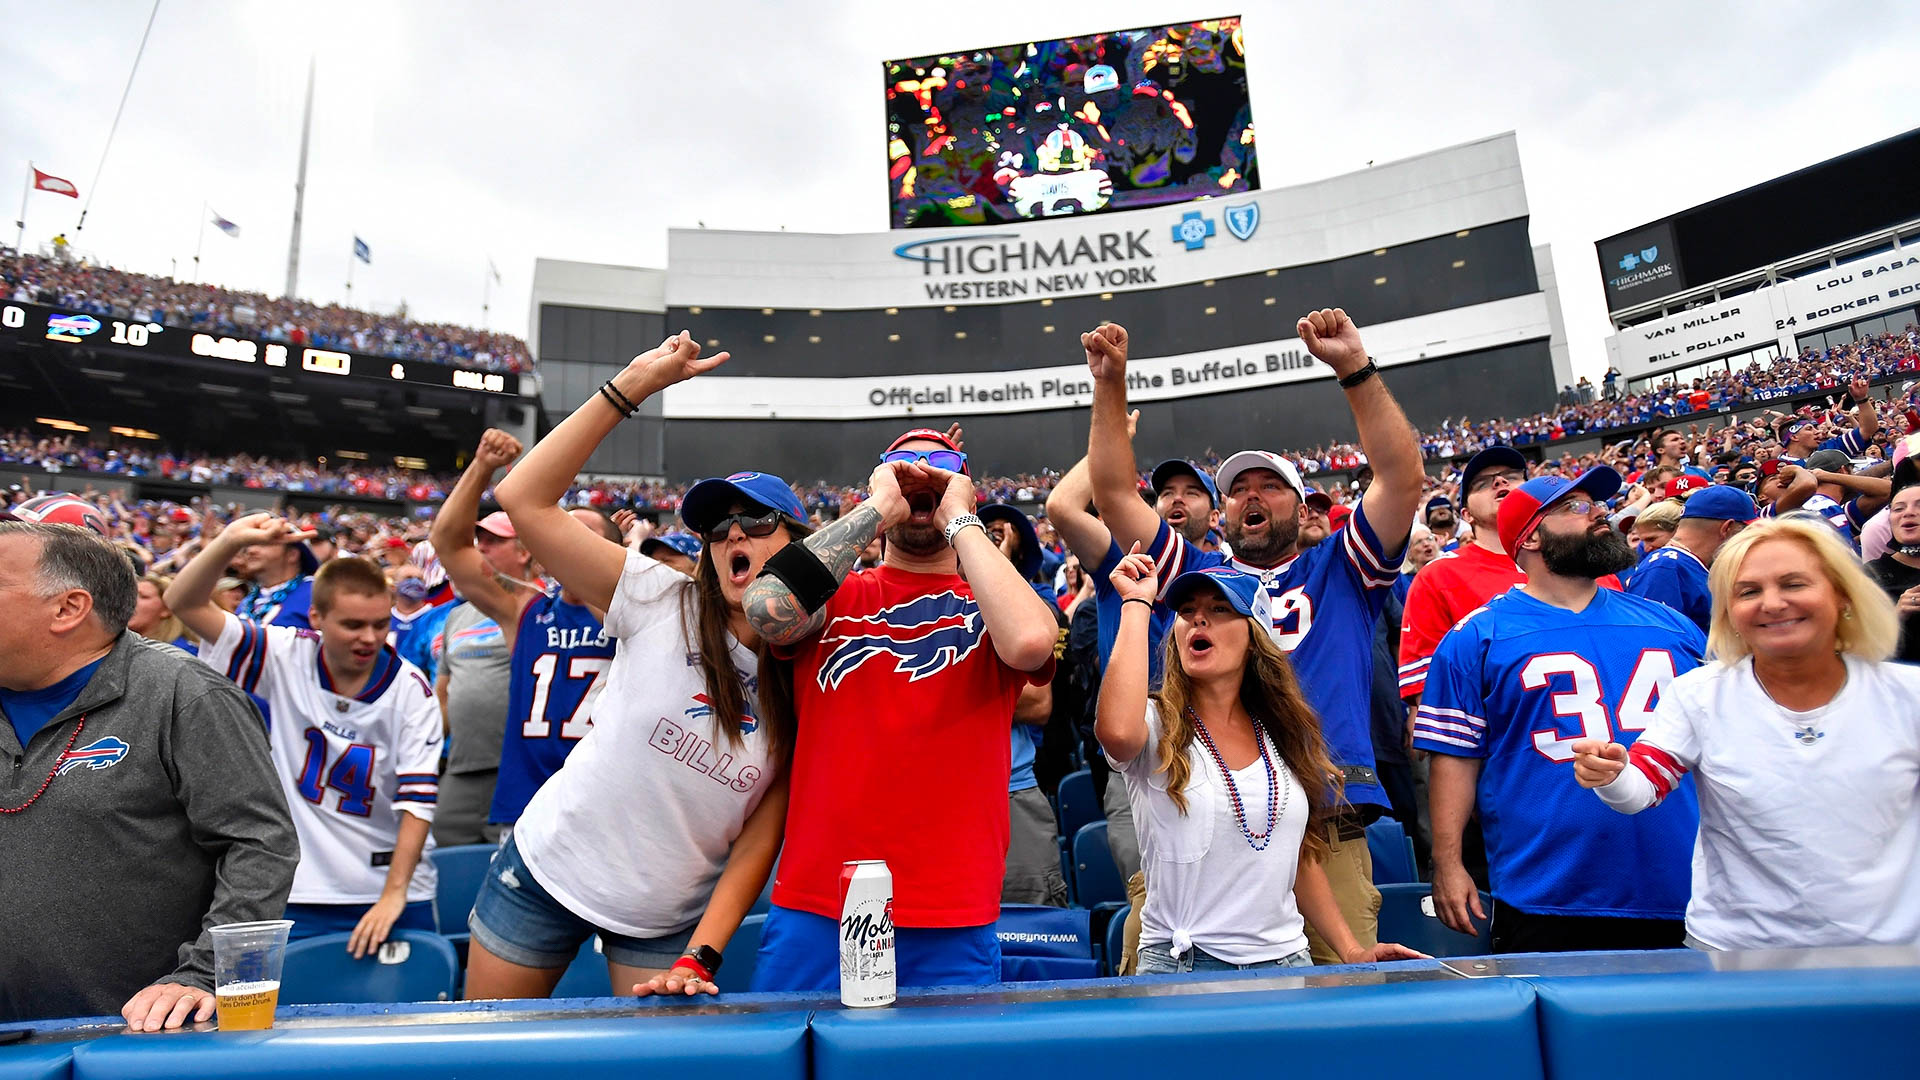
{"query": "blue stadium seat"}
pixel 1404 919
pixel 743 949
pixel 462 870
pixel 1095 879
pixel 47 1061
pixel 1117 938
pixel 764 902
pixel 587 976
pixel 319 970
pixel 1392 853
pixel 1043 944
pixel 1078 805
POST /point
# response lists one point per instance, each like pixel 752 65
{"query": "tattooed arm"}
pixel 772 609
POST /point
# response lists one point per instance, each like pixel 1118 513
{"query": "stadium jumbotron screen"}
pixel 1112 121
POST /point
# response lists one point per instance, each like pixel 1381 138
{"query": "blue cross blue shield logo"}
pixel 1242 220
pixel 1192 229
pixel 1650 254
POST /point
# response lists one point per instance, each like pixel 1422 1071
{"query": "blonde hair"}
pixel 1663 515
pixel 1871 634
pixel 1269 692
pixel 169 629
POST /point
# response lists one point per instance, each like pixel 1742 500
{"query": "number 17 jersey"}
pixel 1516 684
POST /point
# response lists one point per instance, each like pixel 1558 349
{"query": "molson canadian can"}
pixel 866 934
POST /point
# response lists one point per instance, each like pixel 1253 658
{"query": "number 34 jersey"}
pixel 1516 684
pixel 349 766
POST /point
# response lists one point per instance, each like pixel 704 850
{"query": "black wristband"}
pixel 1348 382
pixel 1137 600
pixel 707 957
pixel 608 392
pixel 802 572
pixel 631 407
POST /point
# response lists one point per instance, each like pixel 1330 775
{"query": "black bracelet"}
pixel 1137 600
pixel 1348 382
pixel 607 391
pixel 632 406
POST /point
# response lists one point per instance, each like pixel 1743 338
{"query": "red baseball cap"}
pixel 1338 515
pixel 1684 483
pixel 1525 506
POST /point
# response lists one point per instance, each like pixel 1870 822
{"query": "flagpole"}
pixel 201 242
pixel 20 242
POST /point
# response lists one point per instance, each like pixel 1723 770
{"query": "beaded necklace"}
pixel 57 763
pixel 1276 798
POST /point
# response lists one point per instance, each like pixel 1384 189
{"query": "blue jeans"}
pixel 801 951
pixel 312 920
pixel 518 921
pixel 1159 960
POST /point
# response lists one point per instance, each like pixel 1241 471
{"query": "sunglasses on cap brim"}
pixel 753 525
pixel 949 460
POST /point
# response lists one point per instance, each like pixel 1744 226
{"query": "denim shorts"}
pixel 520 922
pixel 1159 960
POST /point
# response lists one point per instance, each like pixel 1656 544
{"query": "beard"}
pixel 1194 529
pixel 1442 524
pixel 1266 550
pixel 917 540
pixel 1586 555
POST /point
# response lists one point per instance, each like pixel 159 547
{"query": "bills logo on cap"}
pixel 740 476
pixel 98 754
pixel 924 636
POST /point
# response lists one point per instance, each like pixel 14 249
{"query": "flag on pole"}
pixel 362 252
pixel 225 226
pixel 49 182
pixel 494 270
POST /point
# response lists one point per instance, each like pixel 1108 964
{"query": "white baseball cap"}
pixel 1257 459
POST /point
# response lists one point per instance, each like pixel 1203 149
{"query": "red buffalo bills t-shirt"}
pixel 902 754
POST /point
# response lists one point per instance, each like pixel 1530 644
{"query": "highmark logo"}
pixel 1645 255
pixel 1193 229
pixel 1003 266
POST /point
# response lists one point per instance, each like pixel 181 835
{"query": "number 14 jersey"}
pixel 1516 684
pixel 349 766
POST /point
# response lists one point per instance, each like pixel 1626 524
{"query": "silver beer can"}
pixel 866 934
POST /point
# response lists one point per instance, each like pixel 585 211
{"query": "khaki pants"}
pixel 1349 868
pixel 1130 948
pixel 1033 852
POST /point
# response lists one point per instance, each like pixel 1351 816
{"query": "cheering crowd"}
pixel 1604 690
pixel 104 291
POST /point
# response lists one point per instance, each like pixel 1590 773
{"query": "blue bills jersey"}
pixel 1673 576
pixel 1516 684
pixel 1325 602
pixel 560 659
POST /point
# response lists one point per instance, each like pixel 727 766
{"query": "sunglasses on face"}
pixel 753 526
pixel 949 460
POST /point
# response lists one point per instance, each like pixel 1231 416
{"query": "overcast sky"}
pixel 445 133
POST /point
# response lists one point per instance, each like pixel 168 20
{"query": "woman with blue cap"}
pixel 1227 770
pixel 662 827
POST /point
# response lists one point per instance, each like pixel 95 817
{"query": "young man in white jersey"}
pixel 355 737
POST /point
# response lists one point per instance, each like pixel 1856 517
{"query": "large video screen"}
pixel 1112 121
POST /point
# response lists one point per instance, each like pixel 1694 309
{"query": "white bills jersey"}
pixel 349 766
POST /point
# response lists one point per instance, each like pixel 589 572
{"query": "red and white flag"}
pixel 49 182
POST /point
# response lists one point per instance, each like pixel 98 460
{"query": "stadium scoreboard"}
pixel 24 323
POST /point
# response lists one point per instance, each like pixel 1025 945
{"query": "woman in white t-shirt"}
pixel 1804 742
pixel 1226 770
pixel 661 828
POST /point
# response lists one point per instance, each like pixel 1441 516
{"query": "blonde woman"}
pixel 1804 742
pixel 153 620
pixel 1228 776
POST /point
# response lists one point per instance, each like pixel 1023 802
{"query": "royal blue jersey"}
pixel 1673 576
pixel 1516 684
pixel 1107 607
pixel 560 659
pixel 1325 602
pixel 412 636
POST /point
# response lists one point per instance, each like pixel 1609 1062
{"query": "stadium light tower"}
pixel 300 189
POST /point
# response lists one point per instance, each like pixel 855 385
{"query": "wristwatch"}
pixel 961 522
pixel 707 957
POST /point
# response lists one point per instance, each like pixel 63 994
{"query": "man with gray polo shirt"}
pixel 140 805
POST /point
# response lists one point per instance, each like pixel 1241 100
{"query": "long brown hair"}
pixel 1270 693
pixel 703 617
pixel 170 629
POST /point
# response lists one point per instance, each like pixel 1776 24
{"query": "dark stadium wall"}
pixel 1506 381
pixel 582 347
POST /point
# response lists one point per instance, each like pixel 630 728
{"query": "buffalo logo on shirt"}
pixel 98 754
pixel 925 636
pixel 703 708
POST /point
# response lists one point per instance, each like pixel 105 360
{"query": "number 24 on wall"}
pixel 1586 701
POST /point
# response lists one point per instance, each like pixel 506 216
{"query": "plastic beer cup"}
pixel 246 972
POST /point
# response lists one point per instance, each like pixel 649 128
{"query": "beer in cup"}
pixel 246 972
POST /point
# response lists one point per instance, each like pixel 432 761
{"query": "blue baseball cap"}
pixel 1029 564
pixel 685 543
pixel 1438 501
pixel 1491 457
pixel 1173 467
pixel 1524 507
pixel 1243 591
pixel 1720 502
pixel 707 501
